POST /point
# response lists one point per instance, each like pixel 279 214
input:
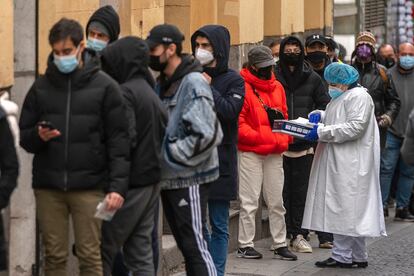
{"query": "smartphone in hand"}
pixel 47 124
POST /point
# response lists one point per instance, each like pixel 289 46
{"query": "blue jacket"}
pixel 189 148
pixel 228 92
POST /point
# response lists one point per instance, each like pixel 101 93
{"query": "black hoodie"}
pixel 305 90
pixel 86 106
pixel 9 166
pixel 108 17
pixel 126 60
pixel 228 92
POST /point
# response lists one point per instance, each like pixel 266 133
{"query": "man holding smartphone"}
pixel 73 121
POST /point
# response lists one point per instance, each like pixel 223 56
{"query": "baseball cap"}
pixel 315 38
pixel 260 56
pixel 164 34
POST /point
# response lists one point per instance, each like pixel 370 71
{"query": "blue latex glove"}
pixel 312 135
pixel 315 118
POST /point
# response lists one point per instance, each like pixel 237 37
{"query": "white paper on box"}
pixel 297 128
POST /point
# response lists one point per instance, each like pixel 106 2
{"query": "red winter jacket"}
pixel 255 134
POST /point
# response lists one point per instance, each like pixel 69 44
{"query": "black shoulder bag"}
pixel 272 113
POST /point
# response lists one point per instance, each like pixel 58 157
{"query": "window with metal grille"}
pixel 374 13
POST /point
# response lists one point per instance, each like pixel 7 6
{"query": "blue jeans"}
pixel 218 240
pixel 390 159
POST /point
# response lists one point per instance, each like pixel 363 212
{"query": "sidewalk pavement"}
pixel 392 255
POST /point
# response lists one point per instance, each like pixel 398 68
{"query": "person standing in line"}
pixel 190 160
pixel 305 92
pixel 211 46
pixel 260 155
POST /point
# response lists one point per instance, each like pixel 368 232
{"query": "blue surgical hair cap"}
pixel 341 73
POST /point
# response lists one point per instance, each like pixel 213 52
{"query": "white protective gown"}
pixel 344 190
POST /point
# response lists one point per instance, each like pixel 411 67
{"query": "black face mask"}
pixel 292 59
pixel 316 57
pixel 156 65
pixel 387 62
pixel 264 73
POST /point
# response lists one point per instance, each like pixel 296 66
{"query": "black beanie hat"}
pixel 108 17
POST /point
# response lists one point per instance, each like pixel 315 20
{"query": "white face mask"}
pixel 205 57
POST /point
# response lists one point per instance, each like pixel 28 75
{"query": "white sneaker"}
pixel 301 245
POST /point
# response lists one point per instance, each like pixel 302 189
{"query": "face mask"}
pixel 388 62
pixel 66 64
pixel 205 57
pixel 276 59
pixel 265 73
pixel 292 59
pixel 364 53
pixel 155 63
pixel 407 62
pixel 316 57
pixel 96 44
pixel 335 92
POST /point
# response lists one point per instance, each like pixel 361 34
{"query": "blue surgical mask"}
pixel 96 44
pixel 407 62
pixel 66 64
pixel 335 92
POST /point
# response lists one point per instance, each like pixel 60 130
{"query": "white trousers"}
pixel 348 249
pixel 257 171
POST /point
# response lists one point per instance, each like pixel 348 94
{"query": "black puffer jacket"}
pixel 304 88
pixel 126 60
pixel 9 166
pixel 228 92
pixel 86 107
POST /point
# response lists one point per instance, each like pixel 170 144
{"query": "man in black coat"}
pixel 211 46
pixel 127 62
pixel 305 92
pixel 74 122
pixel 9 170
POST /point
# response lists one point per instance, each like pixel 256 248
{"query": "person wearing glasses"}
pixel 305 91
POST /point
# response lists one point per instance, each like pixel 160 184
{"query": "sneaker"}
pixel 326 245
pixel 402 214
pixel 332 263
pixel 360 264
pixel 283 253
pixel 301 245
pixel 248 253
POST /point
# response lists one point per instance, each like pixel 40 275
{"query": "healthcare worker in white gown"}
pixel 344 195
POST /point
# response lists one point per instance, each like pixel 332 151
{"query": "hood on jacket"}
pixel 188 65
pixel 266 86
pixel 81 76
pixel 219 38
pixel 107 16
pixel 127 58
pixel 302 70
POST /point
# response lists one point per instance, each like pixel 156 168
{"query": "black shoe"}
pixel 248 253
pixel 402 214
pixel 283 253
pixel 360 264
pixel 332 263
pixel 386 214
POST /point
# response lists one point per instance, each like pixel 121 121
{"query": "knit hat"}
pixel 366 38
